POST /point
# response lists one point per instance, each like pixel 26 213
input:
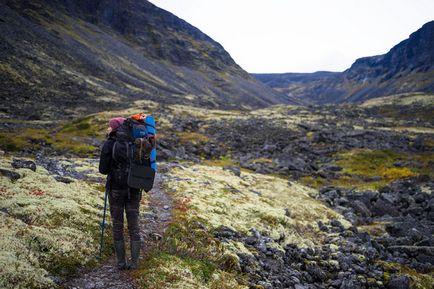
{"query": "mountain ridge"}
pixel 407 67
pixel 83 57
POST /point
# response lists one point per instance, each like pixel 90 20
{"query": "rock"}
pixel 10 174
pixel 256 192
pixel 331 167
pixel 399 282
pixel 360 209
pixel 300 286
pixel 322 227
pixel 383 207
pixel 226 232
pixel 366 197
pixel 63 179
pixel 317 274
pixel 418 142
pixel 349 284
pixel 296 164
pixel 421 197
pixel 166 207
pixel 287 213
pixel 235 170
pixel 335 223
pixel 4 210
pixel 333 248
pixel 56 279
pixel 23 164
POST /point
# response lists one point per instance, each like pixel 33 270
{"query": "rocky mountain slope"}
pixel 63 58
pixel 407 67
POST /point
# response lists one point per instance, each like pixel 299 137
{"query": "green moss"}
pixel 163 270
pixel 190 248
pixel 64 143
pixel 223 199
pixel 50 228
pixel 417 280
pixel 367 162
pixel 373 169
pixel 74 137
pixel 31 138
pixel 85 127
pixel 192 137
pixel 310 135
pixel 221 162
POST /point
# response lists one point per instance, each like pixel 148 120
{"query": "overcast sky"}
pixel 303 35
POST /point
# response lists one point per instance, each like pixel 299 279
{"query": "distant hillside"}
pixel 61 58
pixel 407 67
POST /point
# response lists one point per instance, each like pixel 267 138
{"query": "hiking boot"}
pixel 120 255
pixel 135 253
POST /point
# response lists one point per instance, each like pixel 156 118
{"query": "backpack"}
pixel 134 153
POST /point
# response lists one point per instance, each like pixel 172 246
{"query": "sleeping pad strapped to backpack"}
pixel 135 154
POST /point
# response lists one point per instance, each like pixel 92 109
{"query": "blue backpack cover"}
pixel 148 131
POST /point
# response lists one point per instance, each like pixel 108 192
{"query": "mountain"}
pixel 63 58
pixel 407 67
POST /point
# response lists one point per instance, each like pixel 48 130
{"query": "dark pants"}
pixel 121 201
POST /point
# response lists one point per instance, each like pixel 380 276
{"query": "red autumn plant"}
pixel 183 203
pixel 37 192
pixel 3 190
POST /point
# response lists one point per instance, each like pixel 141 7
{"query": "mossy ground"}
pixel 417 280
pixel 48 228
pixel 207 198
pixel 189 257
pixel 373 169
pixel 252 201
pixel 75 137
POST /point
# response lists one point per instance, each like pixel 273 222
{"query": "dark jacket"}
pixel 117 172
pixel 105 160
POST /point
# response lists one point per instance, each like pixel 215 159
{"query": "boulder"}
pixel 23 164
pixel 235 170
pixel 399 282
pixel 10 174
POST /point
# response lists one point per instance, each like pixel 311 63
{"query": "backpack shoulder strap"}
pixel 113 151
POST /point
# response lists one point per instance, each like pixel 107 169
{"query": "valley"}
pixel 297 180
pixel 274 197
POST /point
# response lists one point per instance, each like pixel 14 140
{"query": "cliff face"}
pixel 86 56
pixel 407 67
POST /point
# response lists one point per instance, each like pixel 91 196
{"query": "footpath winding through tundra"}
pixel 153 224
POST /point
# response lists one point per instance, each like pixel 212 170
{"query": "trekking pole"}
pixel 103 224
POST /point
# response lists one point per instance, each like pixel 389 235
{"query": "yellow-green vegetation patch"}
pixel 376 229
pixel 48 227
pixel 262 161
pixel 33 139
pixel 192 137
pixel 401 99
pixel 89 126
pixel 360 164
pixel 206 114
pixel 221 162
pixel 252 201
pixel 166 271
pixel 372 169
pixel 207 198
pixel 417 280
pixel 190 257
pixel 24 138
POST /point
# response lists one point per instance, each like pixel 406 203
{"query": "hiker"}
pixel 121 198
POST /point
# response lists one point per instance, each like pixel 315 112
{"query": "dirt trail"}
pixel 153 224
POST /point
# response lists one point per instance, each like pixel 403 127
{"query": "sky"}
pixel 275 36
